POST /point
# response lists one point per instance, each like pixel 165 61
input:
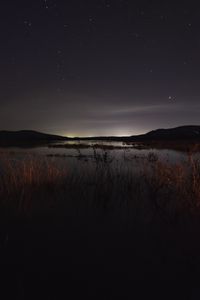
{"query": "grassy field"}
pixel 37 183
pixel 101 229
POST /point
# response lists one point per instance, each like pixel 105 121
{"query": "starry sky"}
pixel 99 67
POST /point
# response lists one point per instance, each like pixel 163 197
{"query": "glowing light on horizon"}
pixel 111 132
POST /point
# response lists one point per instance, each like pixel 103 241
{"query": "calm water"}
pixel 80 158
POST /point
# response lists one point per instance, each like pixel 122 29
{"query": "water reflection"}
pixel 94 152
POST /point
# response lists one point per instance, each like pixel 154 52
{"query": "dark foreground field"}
pixel 100 234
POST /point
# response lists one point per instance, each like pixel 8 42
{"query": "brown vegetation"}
pixel 157 189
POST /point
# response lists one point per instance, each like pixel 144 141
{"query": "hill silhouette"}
pixel 181 133
pixel 30 137
pixel 177 133
pixel 27 137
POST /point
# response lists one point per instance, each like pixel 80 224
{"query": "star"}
pixel 136 35
pixel 46 4
pixel 170 98
pixel 27 23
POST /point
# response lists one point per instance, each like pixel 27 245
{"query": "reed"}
pixel 158 188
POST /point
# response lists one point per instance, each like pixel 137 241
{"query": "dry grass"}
pixel 24 182
pixel 158 189
pixel 133 227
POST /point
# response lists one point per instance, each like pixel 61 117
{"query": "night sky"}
pixel 99 67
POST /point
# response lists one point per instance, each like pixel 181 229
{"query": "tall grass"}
pixel 158 189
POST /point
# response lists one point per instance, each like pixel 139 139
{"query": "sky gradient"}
pixel 99 67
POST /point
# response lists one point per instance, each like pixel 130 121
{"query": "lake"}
pixel 120 151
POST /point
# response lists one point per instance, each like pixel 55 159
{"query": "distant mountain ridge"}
pixel 177 133
pixel 11 138
pixel 30 137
